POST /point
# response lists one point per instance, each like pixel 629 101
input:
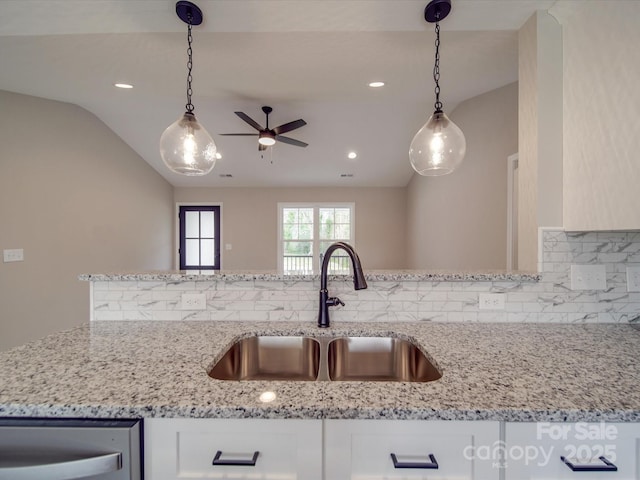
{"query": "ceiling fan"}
pixel 268 136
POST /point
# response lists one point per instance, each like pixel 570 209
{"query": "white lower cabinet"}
pixel 388 450
pixel 559 451
pixel 226 449
pixel 438 450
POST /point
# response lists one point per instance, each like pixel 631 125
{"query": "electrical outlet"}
pixel 13 255
pixel 633 279
pixel 194 301
pixel 491 301
pixel 588 277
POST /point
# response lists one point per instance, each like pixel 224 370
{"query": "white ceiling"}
pixel 309 59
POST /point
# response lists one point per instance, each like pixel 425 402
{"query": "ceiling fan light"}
pixel 267 139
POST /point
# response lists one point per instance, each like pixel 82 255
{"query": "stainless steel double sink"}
pixel 301 358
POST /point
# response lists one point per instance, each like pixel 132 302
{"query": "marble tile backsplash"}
pixel 549 300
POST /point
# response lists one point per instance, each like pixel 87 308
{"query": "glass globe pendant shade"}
pixel 186 147
pixel 438 147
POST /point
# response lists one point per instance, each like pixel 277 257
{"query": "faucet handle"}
pixel 334 301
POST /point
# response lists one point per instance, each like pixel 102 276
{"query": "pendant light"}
pixel 185 146
pixel 439 146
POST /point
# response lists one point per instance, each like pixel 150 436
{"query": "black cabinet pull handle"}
pixel 607 467
pixel 235 463
pixel 433 464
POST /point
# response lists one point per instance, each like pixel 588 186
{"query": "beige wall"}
pixel 250 220
pixel 540 133
pixel 601 114
pixel 528 145
pixel 77 199
pixel 459 220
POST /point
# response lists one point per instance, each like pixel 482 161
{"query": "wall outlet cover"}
pixel 588 277
pixel 491 301
pixel 633 279
pixel 194 301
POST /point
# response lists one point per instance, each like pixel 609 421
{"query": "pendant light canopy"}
pixel 439 146
pixel 185 146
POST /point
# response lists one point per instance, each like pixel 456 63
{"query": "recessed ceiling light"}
pixel 376 84
pixel 123 85
pixel 352 155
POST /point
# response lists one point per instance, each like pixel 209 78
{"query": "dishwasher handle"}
pixel 69 470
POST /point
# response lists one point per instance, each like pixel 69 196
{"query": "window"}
pixel 306 230
pixel 199 228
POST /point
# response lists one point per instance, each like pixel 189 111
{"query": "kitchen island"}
pixel 501 372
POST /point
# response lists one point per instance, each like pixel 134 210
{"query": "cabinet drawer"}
pixel 535 451
pixel 362 449
pixel 186 448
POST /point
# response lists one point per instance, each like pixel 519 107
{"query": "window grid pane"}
pixel 297 235
pixel 334 224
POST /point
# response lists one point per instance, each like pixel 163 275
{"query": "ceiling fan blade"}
pixel 291 141
pixel 249 120
pixel 238 134
pixel 287 127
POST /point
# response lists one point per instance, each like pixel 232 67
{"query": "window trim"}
pixel 178 238
pixel 316 228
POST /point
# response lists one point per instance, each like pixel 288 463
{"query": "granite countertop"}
pixel 529 372
pixel 370 275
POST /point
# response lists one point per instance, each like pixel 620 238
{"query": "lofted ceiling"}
pixel 310 59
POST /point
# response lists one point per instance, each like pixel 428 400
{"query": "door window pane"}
pixel 207 228
pixel 298 248
pixel 343 215
pixel 192 247
pixel 207 253
pixel 341 232
pixel 305 231
pixel 192 221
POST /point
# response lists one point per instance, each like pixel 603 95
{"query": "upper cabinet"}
pixel 601 114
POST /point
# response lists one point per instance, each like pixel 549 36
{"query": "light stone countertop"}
pixel 523 372
pixel 370 275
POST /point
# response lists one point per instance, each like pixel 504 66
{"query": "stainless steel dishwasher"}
pixel 65 449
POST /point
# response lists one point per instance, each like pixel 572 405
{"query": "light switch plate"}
pixel 633 279
pixel 13 255
pixel 588 277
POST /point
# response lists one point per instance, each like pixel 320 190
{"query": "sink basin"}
pixel 383 359
pixel 297 358
pixel 269 358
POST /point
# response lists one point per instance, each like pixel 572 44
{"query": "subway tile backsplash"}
pixel 548 300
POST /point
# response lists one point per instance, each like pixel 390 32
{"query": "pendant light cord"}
pixel 436 71
pixel 189 105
